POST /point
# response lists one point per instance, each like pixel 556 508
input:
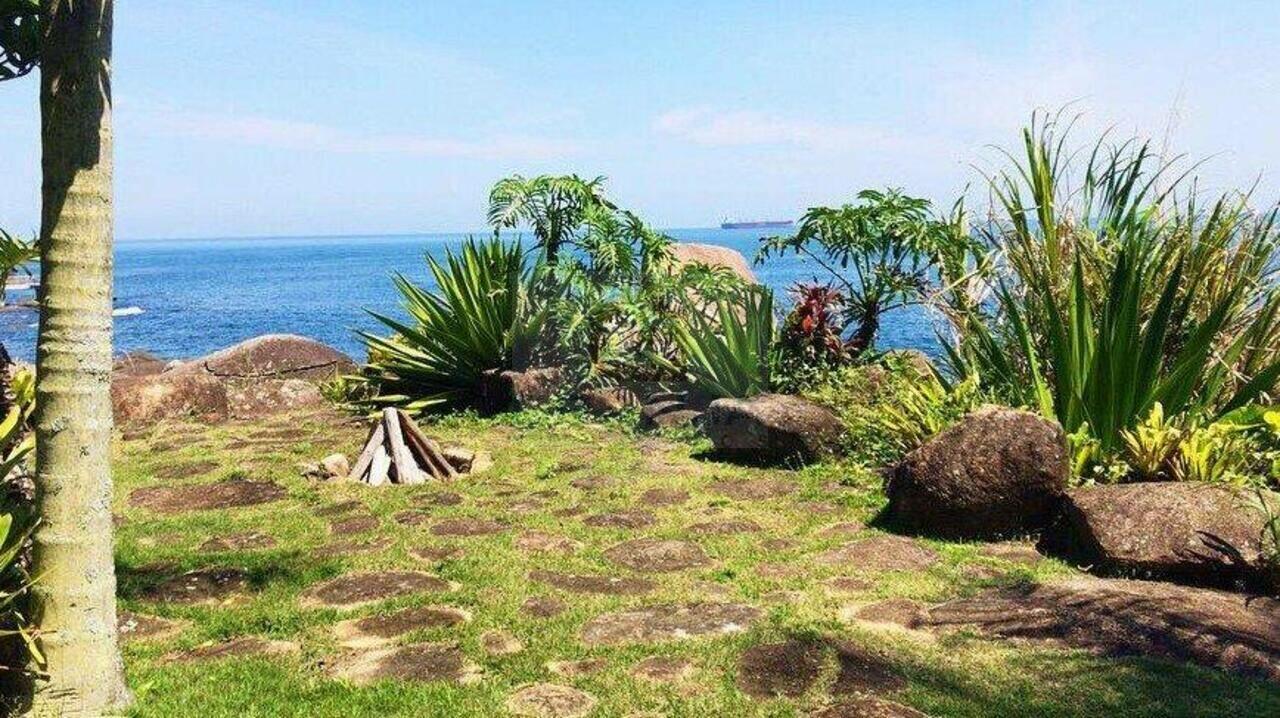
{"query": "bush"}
pixel 16 519
pixel 482 316
pixel 1113 296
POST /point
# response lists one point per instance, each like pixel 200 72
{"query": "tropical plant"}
pixel 884 253
pixel 482 316
pixel 74 600
pixel 925 407
pixel 1149 446
pixel 810 343
pixel 1114 296
pixel 555 207
pixel 730 354
pixel 15 254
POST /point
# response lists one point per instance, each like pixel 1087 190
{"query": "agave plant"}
pixel 732 353
pixel 1115 297
pixel 481 316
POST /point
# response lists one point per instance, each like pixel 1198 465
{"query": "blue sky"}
pixel 267 117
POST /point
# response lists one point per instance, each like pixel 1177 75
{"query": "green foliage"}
pixel 883 252
pixel 20 37
pixel 926 407
pixel 1150 445
pixel 15 254
pixel 1114 297
pixel 555 207
pixel 16 525
pixel 732 353
pixel 483 315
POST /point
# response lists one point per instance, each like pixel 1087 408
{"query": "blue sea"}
pixel 184 298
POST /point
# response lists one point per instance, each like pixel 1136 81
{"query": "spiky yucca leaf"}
pixel 730 355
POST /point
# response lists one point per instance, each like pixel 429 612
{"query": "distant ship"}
pixel 771 224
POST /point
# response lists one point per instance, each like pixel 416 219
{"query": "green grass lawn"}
pixel 540 464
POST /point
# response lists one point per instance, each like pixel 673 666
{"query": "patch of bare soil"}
pixel 420 663
pixel 754 489
pixel 142 627
pixel 604 585
pixel 649 555
pixel 234 648
pixel 243 541
pixel 468 527
pixel 206 585
pixel 542 607
pixel 621 520
pixel 664 669
pixel 540 542
pixel 723 527
pixel 668 622
pixel 548 700
pixel 203 497
pixel 358 589
pixel 375 631
pixel 1228 631
pixel 881 553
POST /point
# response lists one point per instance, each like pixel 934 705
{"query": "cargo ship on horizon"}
pixel 766 224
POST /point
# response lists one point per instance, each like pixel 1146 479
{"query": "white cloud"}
pixel 313 137
pixel 743 128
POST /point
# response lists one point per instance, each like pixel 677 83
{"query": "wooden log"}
pixel 428 449
pixel 376 435
pixel 404 460
pixel 380 467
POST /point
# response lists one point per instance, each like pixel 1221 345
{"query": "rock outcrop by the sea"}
pixel 684 253
pixel 997 472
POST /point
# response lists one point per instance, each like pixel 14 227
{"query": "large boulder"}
pixel 997 472
pixel 772 427
pixel 1185 532
pixel 254 398
pixel 713 256
pixel 513 390
pixel 137 364
pixel 277 356
pixel 168 395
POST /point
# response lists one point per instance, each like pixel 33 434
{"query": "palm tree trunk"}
pixel 75 594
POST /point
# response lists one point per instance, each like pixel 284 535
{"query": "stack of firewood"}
pixel 397 452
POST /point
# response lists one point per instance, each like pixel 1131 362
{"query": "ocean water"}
pixel 184 298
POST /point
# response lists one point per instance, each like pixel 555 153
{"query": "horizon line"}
pixel 366 235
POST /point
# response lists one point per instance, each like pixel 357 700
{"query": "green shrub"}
pixel 482 315
pixel 16 520
pixel 731 354
pixel 1114 297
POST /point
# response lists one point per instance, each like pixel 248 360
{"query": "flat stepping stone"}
pixel 185 470
pixel 603 585
pixel 468 527
pixel 340 508
pixel 243 541
pixel 787 669
pixel 540 542
pixel 360 589
pixel 549 700
pixel 353 547
pixel 574 669
pixel 500 643
pixel 351 525
pixel 621 520
pixel 723 527
pixel 867 707
pixel 843 585
pixel 649 555
pixel 411 517
pixel 842 529
pixel 542 607
pixel 898 612
pixel 378 631
pixel 436 554
pixel 440 498
pixel 881 553
pixel 664 497
pixel 232 493
pixel 1115 617
pixel 668 622
pixel 664 670
pixel 201 586
pixel 234 648
pixel 417 663
pixel 754 489
pixel 141 627
pixel 862 670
